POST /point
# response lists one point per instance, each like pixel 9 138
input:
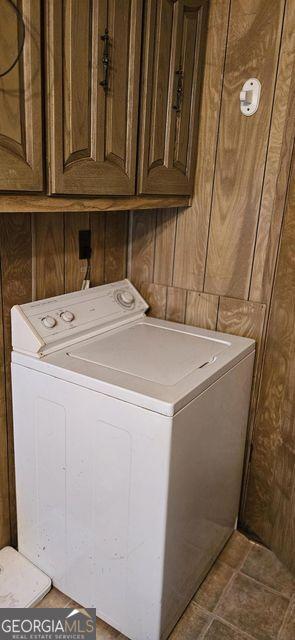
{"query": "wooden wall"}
pixel 211 265
pixel 270 506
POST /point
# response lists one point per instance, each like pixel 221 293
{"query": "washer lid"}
pixel 156 353
pixel 155 364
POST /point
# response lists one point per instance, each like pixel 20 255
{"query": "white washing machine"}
pixel 129 441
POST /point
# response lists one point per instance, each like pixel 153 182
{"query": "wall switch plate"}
pixel 84 244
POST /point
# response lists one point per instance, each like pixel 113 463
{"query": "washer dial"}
pixel 125 298
pixel 67 316
pixel 49 322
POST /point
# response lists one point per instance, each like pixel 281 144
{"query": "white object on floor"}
pixel 129 444
pixel 22 584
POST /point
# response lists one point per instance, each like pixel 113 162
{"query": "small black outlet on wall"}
pixel 84 244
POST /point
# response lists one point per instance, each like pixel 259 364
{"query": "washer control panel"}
pixel 62 318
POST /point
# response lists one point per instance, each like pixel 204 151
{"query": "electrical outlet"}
pixel 84 244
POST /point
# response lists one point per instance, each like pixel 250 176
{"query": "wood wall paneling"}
pixel 244 318
pixel 270 508
pixel 164 245
pixel 156 297
pixel 48 255
pixel 193 223
pixel 116 247
pixel 176 304
pixel 277 165
pixel 16 273
pixel 98 227
pixel 142 250
pixel 201 310
pixel 242 145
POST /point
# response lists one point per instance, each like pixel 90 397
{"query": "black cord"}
pixel 23 30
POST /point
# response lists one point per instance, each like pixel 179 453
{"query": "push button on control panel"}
pixel 49 322
pixel 67 316
pixel 125 298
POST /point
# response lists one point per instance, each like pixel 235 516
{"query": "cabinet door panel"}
pixel 76 108
pixel 174 43
pixel 20 100
pixel 93 132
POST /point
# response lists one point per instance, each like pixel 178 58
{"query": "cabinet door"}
pixel 93 128
pixel 20 99
pixel 174 43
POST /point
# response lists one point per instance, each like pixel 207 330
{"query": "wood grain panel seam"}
pixel 185 311
pixel 267 150
pixel 154 231
pixel 217 143
pixel 126 244
pixel 156 226
pixel 217 314
pixel 166 302
pixel 129 243
pixel 155 245
pixel 174 249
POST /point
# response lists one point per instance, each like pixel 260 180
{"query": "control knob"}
pixel 49 322
pixel 67 316
pixel 125 298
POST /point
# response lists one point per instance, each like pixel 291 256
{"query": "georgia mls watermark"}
pixel 47 624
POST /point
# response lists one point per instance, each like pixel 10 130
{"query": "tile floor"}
pixel 248 595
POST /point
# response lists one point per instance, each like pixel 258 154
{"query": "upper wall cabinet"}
pixel 174 43
pixel 93 63
pixel 20 98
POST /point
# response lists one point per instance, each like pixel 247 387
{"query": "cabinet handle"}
pixel 105 60
pixel 179 90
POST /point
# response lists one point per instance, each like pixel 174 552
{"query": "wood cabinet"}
pixel 174 44
pixel 20 100
pixel 93 55
pixel 123 81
